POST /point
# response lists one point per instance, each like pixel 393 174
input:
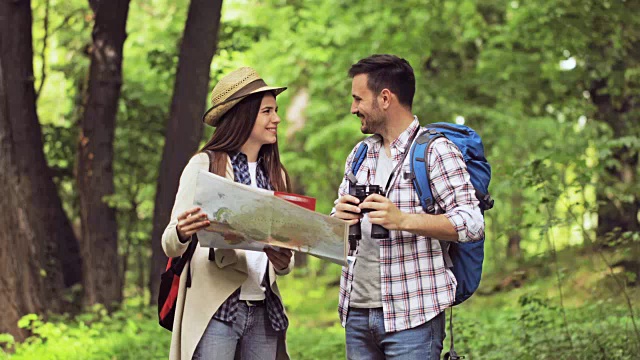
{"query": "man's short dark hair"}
pixel 387 72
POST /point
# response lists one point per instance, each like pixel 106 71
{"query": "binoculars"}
pixel 377 231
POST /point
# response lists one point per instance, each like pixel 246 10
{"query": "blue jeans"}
pixel 249 337
pixel 366 338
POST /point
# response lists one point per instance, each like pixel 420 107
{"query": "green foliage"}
pixel 154 32
pixel 552 87
pixel 309 343
pixel 534 330
pixel 522 74
pixel 530 330
pixel 525 323
pixel 528 76
pixel 130 333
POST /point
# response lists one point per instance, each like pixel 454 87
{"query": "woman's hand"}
pixel 279 258
pixel 189 222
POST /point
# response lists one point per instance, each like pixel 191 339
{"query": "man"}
pixel 393 296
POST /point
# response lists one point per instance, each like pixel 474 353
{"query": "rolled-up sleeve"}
pixel 453 192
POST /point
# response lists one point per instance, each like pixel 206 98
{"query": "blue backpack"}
pixel 465 259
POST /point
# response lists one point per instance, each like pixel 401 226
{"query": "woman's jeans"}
pixel 249 337
pixel 366 338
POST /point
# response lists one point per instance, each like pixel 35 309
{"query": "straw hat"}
pixel 231 89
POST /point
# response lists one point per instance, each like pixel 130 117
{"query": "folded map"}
pixel 243 217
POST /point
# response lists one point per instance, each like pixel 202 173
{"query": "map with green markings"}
pixel 243 217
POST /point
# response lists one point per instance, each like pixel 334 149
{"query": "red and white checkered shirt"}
pixel 415 283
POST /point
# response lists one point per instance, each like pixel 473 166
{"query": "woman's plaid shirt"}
pixel 415 283
pixel 275 309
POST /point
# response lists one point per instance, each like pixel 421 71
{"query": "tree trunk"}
pixel 23 289
pixel 34 226
pixel 513 246
pixel 618 181
pixel 184 129
pixel 514 250
pixel 614 213
pixel 46 213
pixel 301 259
pixel 102 280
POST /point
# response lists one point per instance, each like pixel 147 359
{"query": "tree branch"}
pixel 43 75
pixel 65 20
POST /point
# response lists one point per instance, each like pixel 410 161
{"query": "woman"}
pixel 233 307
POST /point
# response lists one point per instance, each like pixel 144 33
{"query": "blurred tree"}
pixel 102 280
pixel 521 73
pixel 38 250
pixel 588 67
pixel 184 127
pixel 551 86
pixel 617 195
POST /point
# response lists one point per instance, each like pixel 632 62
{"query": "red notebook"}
pixel 301 200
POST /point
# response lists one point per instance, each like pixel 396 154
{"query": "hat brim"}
pixel 214 114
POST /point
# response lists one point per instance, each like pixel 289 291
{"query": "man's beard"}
pixel 374 123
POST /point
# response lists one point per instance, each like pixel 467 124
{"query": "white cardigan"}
pixel 211 282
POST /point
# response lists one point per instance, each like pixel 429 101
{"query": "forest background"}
pixel 100 109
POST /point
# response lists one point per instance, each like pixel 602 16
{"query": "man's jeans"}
pixel 366 338
pixel 249 337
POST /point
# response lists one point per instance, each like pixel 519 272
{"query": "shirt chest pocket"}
pixel 403 194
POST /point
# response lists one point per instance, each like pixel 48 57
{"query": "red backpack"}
pixel 170 279
pixel 170 284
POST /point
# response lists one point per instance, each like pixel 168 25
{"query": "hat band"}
pixel 246 90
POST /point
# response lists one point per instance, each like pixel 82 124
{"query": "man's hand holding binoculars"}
pixel 383 211
pixel 347 209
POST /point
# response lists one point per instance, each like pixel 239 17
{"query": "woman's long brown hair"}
pixel 234 130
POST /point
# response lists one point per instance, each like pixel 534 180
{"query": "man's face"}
pixel 365 106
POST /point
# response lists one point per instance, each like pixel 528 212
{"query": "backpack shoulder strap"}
pixel 421 179
pixel 420 168
pixel 182 261
pixel 358 159
pixel 211 156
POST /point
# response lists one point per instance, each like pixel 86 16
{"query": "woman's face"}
pixel 266 127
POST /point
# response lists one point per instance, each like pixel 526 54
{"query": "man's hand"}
pixel 384 212
pixel 279 258
pixel 347 209
pixel 189 222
